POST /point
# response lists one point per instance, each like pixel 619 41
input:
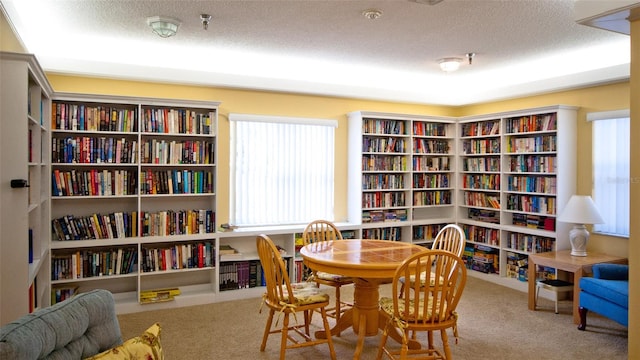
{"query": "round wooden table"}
pixel 369 263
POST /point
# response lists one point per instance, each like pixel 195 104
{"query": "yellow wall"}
pixel 8 40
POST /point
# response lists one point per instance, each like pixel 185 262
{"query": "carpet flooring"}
pixel 494 323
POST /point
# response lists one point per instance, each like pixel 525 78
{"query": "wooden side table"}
pixel 576 265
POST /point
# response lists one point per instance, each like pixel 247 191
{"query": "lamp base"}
pixel 578 237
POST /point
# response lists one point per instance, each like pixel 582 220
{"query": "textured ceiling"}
pixel 522 47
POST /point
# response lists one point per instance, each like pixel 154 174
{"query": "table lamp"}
pixel 580 210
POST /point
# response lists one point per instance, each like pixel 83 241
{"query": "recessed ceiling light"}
pixel 450 64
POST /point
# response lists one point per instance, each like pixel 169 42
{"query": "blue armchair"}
pixel 606 293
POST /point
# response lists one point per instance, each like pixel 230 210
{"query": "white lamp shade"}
pixel 581 210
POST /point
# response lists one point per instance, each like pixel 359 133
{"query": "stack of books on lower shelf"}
pixel 227 253
pixel 158 295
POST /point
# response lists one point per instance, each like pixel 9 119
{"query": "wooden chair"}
pixel 426 308
pixel 285 298
pixel 323 230
pixel 450 238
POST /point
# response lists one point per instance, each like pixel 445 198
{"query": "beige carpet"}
pixel 494 323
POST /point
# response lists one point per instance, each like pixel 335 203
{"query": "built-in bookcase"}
pixel 402 175
pixel 133 196
pixel 25 101
pixel 517 171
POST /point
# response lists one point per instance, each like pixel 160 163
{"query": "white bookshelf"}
pixel 137 209
pixel 527 167
pixel 417 172
pixel 25 102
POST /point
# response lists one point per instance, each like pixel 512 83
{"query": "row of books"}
pixel 177 152
pixel 484 215
pixel 93 182
pixel 383 126
pixel 481 164
pixel 481 146
pixel 533 163
pixel 479 199
pixel 95 226
pixel 132 224
pixel 194 255
pixel 540 143
pixel 389 233
pixel 430 146
pixel 93 150
pixel 380 199
pixel 481 181
pixel 534 204
pixel 534 221
pixel 381 216
pixel 89 263
pixel 382 181
pixel 430 181
pixel 426 232
pixel 176 181
pixel 241 274
pixel 378 144
pixel 177 121
pixel 538 184
pixel 482 128
pixel 431 163
pixel 531 123
pixel 530 243
pixel 430 198
pixel 178 222
pixel 483 235
pixel 421 128
pixel 82 117
pixel 384 163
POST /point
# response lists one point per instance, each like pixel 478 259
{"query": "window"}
pixel 611 137
pixel 282 170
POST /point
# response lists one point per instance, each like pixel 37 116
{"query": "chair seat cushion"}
pixel 306 293
pixel 615 291
pixel 386 304
pixel 423 279
pixel 332 277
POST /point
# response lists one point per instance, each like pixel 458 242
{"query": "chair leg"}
pixel 283 341
pixel 383 343
pixel 327 331
pixel 445 344
pixel 267 329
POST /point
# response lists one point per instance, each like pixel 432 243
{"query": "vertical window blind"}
pixel 282 170
pixel 611 174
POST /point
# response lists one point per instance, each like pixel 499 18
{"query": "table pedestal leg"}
pixel 365 316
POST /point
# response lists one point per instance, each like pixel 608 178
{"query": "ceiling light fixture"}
pixel 450 64
pixel 372 14
pixel 163 26
pixel 205 18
